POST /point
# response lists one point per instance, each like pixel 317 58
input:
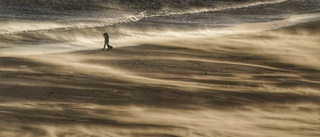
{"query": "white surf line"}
pixel 264 26
pixel 247 28
pixel 238 6
pixel 142 16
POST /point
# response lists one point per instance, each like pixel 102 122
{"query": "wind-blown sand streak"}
pixel 262 84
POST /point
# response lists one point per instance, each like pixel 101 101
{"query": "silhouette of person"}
pixel 106 41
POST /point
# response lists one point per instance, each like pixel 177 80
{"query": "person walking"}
pixel 106 42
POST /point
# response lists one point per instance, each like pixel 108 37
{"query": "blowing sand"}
pixel 262 84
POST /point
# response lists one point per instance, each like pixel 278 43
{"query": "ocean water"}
pixel 43 26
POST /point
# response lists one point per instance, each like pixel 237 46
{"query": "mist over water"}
pixel 197 68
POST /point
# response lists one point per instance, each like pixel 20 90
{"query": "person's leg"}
pixel 104 46
pixel 108 47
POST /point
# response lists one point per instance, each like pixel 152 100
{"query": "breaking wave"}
pixel 126 16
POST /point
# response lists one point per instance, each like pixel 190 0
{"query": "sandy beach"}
pixel 256 84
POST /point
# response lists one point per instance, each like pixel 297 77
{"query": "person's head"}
pixel 105 34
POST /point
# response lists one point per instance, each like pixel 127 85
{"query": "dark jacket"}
pixel 106 37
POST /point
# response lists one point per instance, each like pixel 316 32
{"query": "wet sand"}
pixel 261 84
